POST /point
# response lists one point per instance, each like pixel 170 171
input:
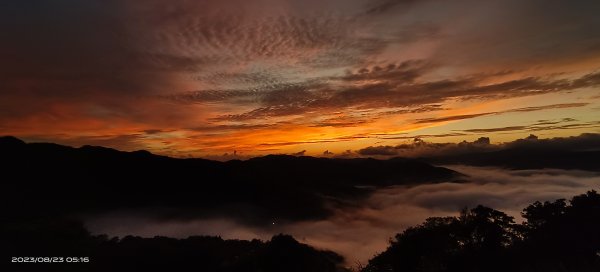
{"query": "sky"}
pixel 322 78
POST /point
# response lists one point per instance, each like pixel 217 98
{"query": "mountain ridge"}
pixel 93 180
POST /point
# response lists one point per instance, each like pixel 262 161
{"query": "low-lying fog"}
pixel 359 233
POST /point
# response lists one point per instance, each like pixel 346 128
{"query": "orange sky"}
pixel 205 78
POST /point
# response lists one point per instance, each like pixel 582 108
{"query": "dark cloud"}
pixel 470 152
pixel 76 65
pixel 152 131
pixel 346 154
pixel 301 153
pixel 238 127
pixel 526 109
pixel 420 147
pixel 419 136
pixel 344 121
pixel 554 122
pixel 589 80
pixel 525 40
pixel 404 73
pixel 418 32
pixel 420 109
pixel 553 106
pixel 242 32
pixel 583 142
pixel 379 151
pixel 497 129
pixel 55 48
pixel 208 96
pixel 543 125
pixel 451 118
pixel 297 142
pixel 377 7
pixel 576 152
pixel 396 89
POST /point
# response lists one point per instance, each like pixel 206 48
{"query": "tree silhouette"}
pixel 561 235
pixel 464 243
pixel 555 236
pixel 64 237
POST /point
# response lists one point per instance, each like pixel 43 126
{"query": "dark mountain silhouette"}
pixel 526 157
pixel 61 180
pixel 556 236
pixel 577 152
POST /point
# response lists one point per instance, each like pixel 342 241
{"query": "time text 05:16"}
pixel 50 259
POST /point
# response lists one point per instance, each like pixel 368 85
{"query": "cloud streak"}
pixel 527 109
pixel 118 68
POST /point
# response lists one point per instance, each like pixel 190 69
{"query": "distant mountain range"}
pixel 526 156
pixel 61 180
pixel 56 179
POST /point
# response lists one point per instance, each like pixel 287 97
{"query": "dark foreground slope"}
pixel 74 249
pixel 55 179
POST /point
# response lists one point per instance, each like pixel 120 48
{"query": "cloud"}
pixel 378 151
pixel 553 106
pixel 583 142
pixel 404 73
pixel 301 153
pixel 497 129
pixel 565 123
pixel 238 33
pixel 525 40
pixel 361 231
pixel 526 109
pixel 389 90
pixel 419 136
pixel 452 118
pixel 74 49
pixel 377 7
pixel 421 148
pixel 99 68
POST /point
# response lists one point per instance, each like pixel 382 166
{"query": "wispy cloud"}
pixel 526 109
pixel 124 67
